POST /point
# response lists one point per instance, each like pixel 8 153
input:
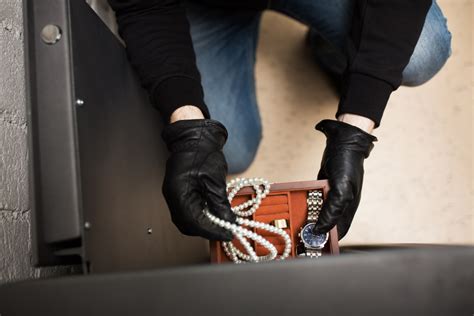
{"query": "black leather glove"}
pixel 195 175
pixel 343 165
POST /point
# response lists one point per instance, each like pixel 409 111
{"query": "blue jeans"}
pixel 225 43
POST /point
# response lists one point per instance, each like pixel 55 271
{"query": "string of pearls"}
pixel 246 209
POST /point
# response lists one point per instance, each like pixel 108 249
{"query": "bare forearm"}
pixel 359 121
pixel 187 112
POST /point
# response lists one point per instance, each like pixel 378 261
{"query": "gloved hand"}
pixel 195 175
pixel 346 148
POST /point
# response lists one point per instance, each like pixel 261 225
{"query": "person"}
pixel 196 59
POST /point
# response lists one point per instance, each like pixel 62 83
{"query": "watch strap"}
pixel 311 253
pixel 315 203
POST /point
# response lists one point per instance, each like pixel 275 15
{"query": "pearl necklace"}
pixel 246 209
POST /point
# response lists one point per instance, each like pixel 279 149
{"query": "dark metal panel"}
pixel 55 197
pixel 437 281
pixel 122 158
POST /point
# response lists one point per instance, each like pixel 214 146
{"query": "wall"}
pixel 14 209
pixel 15 241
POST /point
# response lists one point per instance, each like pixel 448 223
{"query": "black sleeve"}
pixel 159 46
pixel 382 39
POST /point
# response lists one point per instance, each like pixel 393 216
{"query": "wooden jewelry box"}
pixel 287 204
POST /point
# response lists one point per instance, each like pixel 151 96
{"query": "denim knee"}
pixel 432 50
pixel 241 153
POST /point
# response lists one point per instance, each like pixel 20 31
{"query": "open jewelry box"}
pixel 287 202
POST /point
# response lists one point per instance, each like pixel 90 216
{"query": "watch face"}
pixel 312 240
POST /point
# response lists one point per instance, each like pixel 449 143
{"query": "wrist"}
pixel 362 122
pixel 186 112
pixel 341 135
pixel 188 133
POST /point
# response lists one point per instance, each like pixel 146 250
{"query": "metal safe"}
pixel 96 155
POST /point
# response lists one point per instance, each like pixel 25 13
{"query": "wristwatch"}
pixel 311 244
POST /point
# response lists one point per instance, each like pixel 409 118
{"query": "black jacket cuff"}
pixel 175 92
pixel 365 96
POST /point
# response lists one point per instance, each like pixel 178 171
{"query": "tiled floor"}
pixel 419 178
